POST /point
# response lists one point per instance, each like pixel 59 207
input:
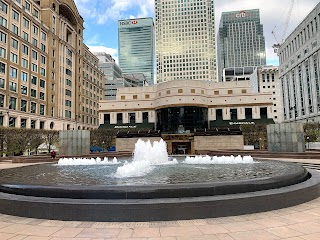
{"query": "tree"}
pixel 253 134
pixel 311 131
pixel 104 138
pixel 51 137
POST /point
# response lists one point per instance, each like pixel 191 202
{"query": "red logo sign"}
pixel 134 22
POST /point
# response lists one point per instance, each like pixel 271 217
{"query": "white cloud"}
pixel 113 52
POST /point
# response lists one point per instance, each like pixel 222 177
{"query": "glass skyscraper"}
pixel 240 40
pixel 185 46
pixel 136 47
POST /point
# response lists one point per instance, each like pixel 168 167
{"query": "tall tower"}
pixel 240 40
pixel 136 47
pixel 185 46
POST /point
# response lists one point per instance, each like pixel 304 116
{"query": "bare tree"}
pixel 311 131
pixel 104 138
pixel 254 134
pixel 51 137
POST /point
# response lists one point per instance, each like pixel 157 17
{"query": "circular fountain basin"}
pixel 171 192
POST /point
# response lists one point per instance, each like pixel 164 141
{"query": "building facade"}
pixel 241 42
pixel 185 46
pixel 187 105
pixel 136 47
pixel 299 70
pixel 43 79
pixel 113 74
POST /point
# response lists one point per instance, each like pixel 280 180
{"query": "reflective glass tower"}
pixel 136 47
pixel 240 40
pixel 185 46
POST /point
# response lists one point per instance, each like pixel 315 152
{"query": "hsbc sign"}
pixel 132 22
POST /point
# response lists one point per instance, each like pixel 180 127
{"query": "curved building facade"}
pixel 185 106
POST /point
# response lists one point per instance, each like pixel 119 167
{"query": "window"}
pixel 43 47
pixel 12 122
pixel 68 103
pixel 33 93
pixel 180 90
pixel 244 90
pixel 2 68
pixel 34 55
pixel 34 80
pixel 41 109
pixel 135 96
pixel 23 106
pixel 193 91
pixel 42 95
pixel 24 76
pixel 33 124
pixel 123 97
pixel 234 114
pixel 35 30
pixel 147 96
pixel 3 7
pixel 14 43
pixel 13 72
pixel 43 36
pixel 68 82
pixel 34 67
pixel 27 6
pixel 42 83
pixel 69 72
pixel 33 107
pixel 13 58
pixel 230 91
pixel 25 23
pixel 216 92
pixel 25 49
pixel 2 52
pixel 25 63
pixel 34 42
pixel 25 36
pixel 145 117
pixel 13 86
pixel 14 29
pixel 68 93
pixel 23 122
pixel 15 15
pixel 12 103
pixel 119 118
pixel 3 22
pixel 43 59
pixel 35 13
pixel 1 100
pixel 1 83
pixel 24 90
pixel 3 37
pixel 42 71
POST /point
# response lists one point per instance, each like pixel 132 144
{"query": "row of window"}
pixel 24 107
pixel 23 122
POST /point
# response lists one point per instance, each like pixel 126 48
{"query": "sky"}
pixel 101 19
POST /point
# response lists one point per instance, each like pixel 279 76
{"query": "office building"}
pixel 240 40
pixel 136 47
pixel 48 77
pixel 299 57
pixel 112 72
pixel 185 46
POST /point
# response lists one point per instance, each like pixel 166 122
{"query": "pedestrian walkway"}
pixel 301 222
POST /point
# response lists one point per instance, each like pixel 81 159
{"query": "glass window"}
pixel 42 83
pixel 3 37
pixel 3 7
pixel 27 6
pixel 1 83
pixel 42 95
pixel 15 15
pixel 24 76
pixel 33 93
pixel 25 63
pixel 12 122
pixel 34 67
pixel 14 43
pixel 34 80
pixel 13 57
pixel 14 29
pixel 23 106
pixel 13 72
pixel 35 30
pixel 24 90
pixel 2 52
pixel 41 109
pixel 2 68
pixel 25 36
pixel 33 107
pixel 25 23
pixel 13 86
pixel 25 49
pixel 12 103
pixel 34 55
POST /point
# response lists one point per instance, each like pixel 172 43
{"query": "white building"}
pixel 299 70
pixel 185 34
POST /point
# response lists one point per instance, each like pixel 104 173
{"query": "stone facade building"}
pixel 48 77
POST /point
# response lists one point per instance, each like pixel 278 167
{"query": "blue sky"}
pixel 101 19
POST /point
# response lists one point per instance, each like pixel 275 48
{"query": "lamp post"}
pixel 308 142
pixel 294 111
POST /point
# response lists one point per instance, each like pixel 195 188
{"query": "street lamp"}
pixel 294 111
pixel 308 141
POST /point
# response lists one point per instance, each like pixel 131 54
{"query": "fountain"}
pixel 153 186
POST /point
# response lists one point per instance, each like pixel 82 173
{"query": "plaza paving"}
pixel 301 222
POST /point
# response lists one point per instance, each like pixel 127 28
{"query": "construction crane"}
pixel 286 25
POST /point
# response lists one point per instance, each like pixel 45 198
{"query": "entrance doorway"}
pixel 181 148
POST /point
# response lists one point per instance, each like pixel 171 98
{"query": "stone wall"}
pixel 286 137
pixel 74 142
pixel 204 143
pixel 127 144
